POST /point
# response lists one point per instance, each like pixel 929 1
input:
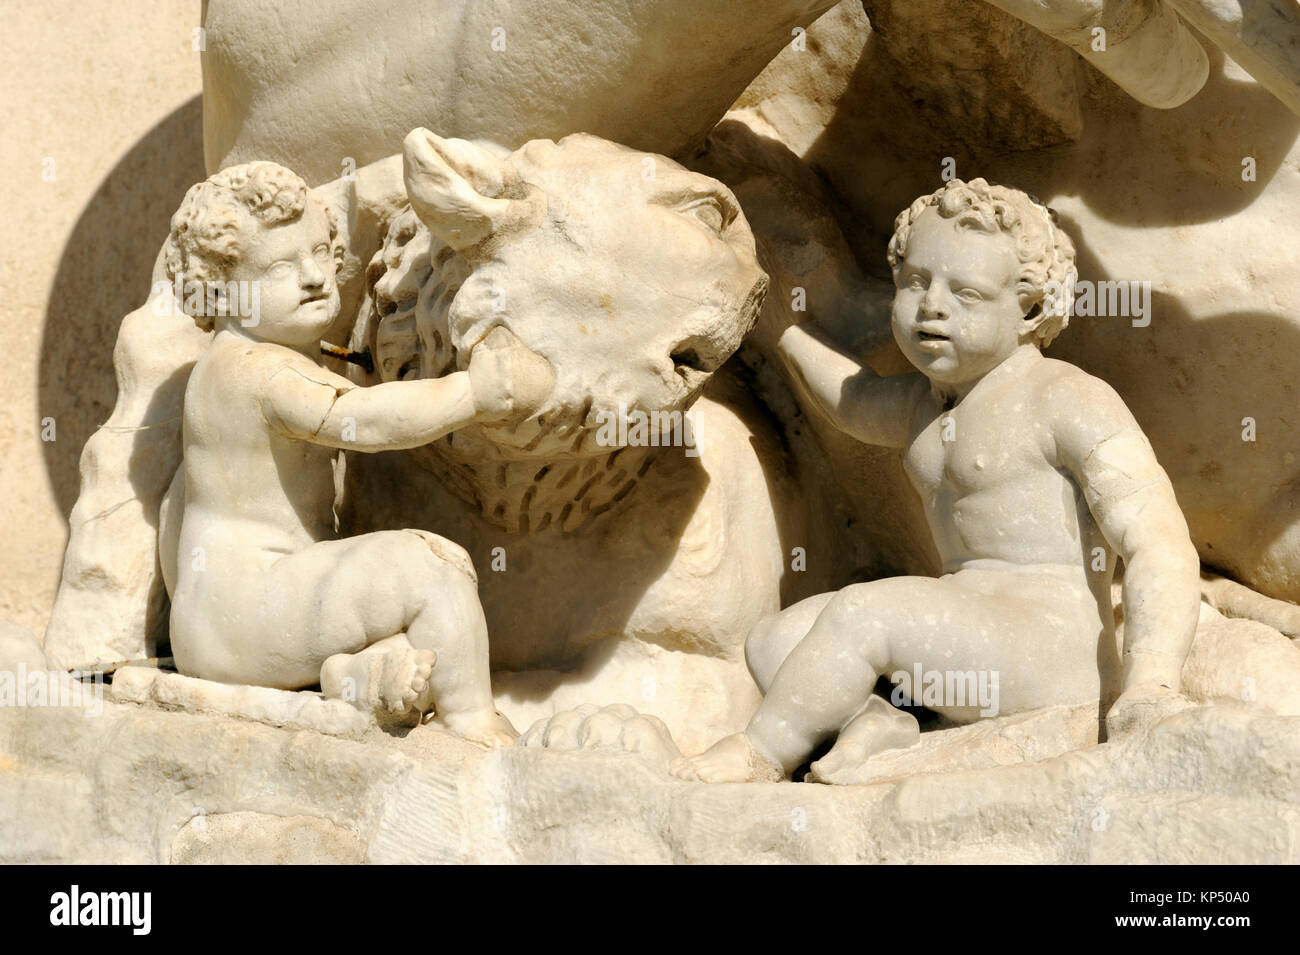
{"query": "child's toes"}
pixel 420 679
pixel 684 768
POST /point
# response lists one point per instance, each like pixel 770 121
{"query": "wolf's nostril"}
pixel 688 358
pixel 692 354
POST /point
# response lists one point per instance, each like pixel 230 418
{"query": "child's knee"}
pixel 445 553
pixel 847 609
pixel 772 639
pixel 855 620
pixel 760 651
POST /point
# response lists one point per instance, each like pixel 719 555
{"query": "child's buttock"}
pixel 1038 627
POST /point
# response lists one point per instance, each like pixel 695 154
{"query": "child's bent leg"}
pixel 1035 640
pixel 877 727
pixel 826 680
pixel 772 638
pixel 452 625
pixel 349 598
pixel 821 685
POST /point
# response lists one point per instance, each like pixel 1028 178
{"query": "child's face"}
pixel 292 265
pixel 956 312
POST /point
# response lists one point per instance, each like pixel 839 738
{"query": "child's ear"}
pixel 338 238
pixel 461 191
pixel 1035 314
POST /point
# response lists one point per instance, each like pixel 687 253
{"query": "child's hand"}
pixel 508 379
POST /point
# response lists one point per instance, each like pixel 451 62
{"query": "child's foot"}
pixel 876 728
pixel 382 682
pixel 731 759
pixel 485 727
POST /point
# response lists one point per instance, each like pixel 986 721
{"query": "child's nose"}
pixel 310 272
pixel 933 304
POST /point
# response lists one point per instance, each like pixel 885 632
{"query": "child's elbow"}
pixel 1170 554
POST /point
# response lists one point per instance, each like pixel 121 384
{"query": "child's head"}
pixel 255 231
pixel 978 271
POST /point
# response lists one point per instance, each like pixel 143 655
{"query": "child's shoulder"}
pixel 1060 384
pixel 1080 409
pixel 250 360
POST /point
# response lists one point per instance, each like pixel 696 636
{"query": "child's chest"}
pixel 973 447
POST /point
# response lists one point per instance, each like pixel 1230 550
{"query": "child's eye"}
pixel 970 295
pixel 322 252
pixel 915 282
pixel 281 269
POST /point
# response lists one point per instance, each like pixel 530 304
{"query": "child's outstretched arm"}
pixel 314 404
pixel 872 409
pixel 1133 502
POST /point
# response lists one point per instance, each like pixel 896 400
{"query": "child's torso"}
pixel 250 490
pixel 990 485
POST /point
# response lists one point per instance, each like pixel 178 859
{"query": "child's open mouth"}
pixel 931 336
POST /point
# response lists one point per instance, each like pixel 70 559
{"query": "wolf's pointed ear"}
pixel 461 191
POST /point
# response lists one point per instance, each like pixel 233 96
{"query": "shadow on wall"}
pixel 103 274
pixel 1194 384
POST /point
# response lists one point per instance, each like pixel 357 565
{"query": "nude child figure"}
pixel 1033 475
pixel 263 592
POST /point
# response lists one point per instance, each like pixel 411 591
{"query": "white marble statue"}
pixel 1034 477
pixel 262 590
pixel 598 520
pixel 562 385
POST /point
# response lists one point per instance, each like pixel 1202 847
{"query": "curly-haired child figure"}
pixel 262 593
pixel 1033 475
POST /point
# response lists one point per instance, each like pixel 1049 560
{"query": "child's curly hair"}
pixel 207 229
pixel 1046 253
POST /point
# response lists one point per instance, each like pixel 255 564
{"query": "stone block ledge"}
pixel 144 784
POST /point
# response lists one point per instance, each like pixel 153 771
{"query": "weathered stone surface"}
pixel 1214 783
pixel 288 709
pixel 991 79
pixel 654 76
pixel 1259 36
pixel 255 838
pixel 19 647
pixel 1024 738
pixel 1243 660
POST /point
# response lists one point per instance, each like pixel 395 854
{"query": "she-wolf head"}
pixel 633 276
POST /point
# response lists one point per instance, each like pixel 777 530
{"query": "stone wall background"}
pixel 111 94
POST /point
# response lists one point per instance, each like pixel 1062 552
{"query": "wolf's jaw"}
pixel 531 495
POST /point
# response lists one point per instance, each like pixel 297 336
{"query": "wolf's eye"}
pixel 709 211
